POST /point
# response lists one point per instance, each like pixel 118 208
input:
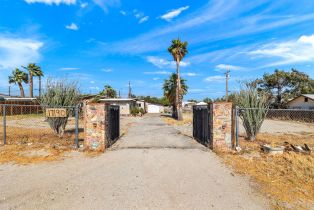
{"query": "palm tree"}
pixel 33 70
pixel 109 92
pixel 178 50
pixel 170 88
pixel 18 77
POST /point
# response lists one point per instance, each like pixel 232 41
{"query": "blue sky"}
pixel 97 42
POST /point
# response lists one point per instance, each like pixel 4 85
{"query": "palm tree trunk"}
pixel 39 88
pixel 30 85
pixel 21 90
pixel 178 93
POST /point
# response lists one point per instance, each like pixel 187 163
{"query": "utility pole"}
pixel 119 94
pixel 130 94
pixel 9 90
pixel 227 78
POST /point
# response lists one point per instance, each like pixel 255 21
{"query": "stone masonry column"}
pixel 95 126
pixel 221 125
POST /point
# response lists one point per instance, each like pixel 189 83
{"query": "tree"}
pixel 300 83
pixel 207 100
pixel 284 85
pixel 19 77
pixel 59 93
pixel 33 70
pixel 170 90
pixel 109 92
pixel 178 50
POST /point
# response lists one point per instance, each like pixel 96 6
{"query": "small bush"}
pixel 135 111
pixel 142 111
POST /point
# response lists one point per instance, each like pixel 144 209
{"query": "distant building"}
pixel 188 104
pixel 6 99
pixel 141 104
pixel 126 104
pixel 16 105
pixel 304 101
pixel 155 108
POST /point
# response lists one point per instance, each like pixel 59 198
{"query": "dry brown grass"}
pixel 187 119
pixel 26 146
pixel 288 179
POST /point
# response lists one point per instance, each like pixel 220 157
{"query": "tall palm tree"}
pixel 18 77
pixel 170 88
pixel 33 70
pixel 178 50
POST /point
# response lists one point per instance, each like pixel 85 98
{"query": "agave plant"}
pixel 59 93
pixel 253 110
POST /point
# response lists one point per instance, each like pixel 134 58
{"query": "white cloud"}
pixel 122 12
pixel 83 5
pixel 92 82
pixel 224 67
pixel 293 51
pixel 105 4
pixel 72 26
pixel 162 63
pixel 158 72
pixel 216 78
pixel 51 2
pixel 156 78
pixel 15 52
pixel 143 19
pixel 107 70
pixel 68 69
pixel 189 74
pixel 173 13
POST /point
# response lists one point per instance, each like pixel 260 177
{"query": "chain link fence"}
pixel 284 122
pixel 30 125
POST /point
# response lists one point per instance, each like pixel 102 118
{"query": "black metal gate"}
pixel 113 124
pixel 201 130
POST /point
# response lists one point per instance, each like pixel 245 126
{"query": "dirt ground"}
pixel 288 179
pixel 35 142
pixel 151 167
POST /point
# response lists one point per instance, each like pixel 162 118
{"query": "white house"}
pixel 154 108
pixel 126 104
pixel 304 101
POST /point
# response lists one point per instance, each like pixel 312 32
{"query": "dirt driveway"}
pixel 151 167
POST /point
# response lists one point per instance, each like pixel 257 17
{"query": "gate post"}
pixel 94 126
pixel 220 126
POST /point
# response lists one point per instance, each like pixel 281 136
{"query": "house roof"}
pixel 117 99
pixel 310 96
pixel 4 97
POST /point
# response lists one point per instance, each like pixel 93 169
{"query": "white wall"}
pixel 299 103
pixel 152 108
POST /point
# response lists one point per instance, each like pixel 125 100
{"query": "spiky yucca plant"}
pixel 253 110
pixel 59 93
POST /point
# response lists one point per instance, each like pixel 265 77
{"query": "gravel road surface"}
pixel 151 167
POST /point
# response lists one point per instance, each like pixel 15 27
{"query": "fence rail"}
pixel 277 122
pixel 27 124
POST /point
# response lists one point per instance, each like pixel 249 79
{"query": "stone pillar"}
pixel 221 125
pixel 95 126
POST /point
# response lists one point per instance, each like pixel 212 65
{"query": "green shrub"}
pixel 253 109
pixel 135 111
pixel 142 111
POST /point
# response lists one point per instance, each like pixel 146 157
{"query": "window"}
pixel 306 99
